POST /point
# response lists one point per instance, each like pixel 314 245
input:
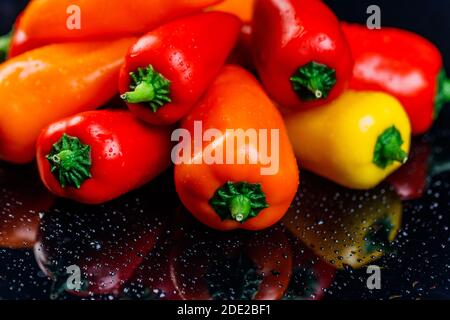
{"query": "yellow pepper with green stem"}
pixel 356 141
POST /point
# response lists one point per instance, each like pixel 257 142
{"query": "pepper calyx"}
pixel 4 46
pixel 313 81
pixel 70 161
pixel 388 149
pixel 443 94
pixel 148 86
pixel 239 201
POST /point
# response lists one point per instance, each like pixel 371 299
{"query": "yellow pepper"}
pixel 356 141
pixel 242 8
pixel 345 227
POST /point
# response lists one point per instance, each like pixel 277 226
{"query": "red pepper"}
pixel 96 156
pixel 168 70
pixel 300 51
pixel 46 22
pixel 242 53
pixel 402 64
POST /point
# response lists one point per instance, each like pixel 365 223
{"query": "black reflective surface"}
pixel 146 246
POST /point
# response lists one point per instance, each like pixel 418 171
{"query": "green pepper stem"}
pixel 4 46
pixel 388 148
pixel 238 201
pixel 240 207
pixel 70 161
pixel 313 81
pixel 148 86
pixel 144 92
pixel 443 94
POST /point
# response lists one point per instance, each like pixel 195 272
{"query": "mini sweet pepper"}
pixel 97 156
pixel 169 69
pixel 300 52
pixel 357 140
pixel 229 193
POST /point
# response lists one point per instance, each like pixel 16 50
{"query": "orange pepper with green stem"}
pixel 236 194
pixel 50 83
pixel 47 21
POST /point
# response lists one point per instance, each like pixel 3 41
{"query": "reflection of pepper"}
pixel 356 141
pixel 96 156
pixel 48 21
pixel 152 280
pixel 410 180
pixel 402 64
pixel 21 201
pixel 229 196
pixel 50 83
pixel 426 162
pixel 345 227
pixel 311 276
pixel 106 242
pixel 300 52
pixel 243 267
pixel 168 70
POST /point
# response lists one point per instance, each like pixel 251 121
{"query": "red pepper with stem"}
pixel 300 52
pixel 97 156
pixel 402 64
pixel 169 69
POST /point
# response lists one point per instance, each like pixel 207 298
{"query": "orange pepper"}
pixel 242 8
pixel 48 21
pixel 50 83
pixel 236 194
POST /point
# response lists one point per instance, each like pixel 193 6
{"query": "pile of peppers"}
pixel 99 107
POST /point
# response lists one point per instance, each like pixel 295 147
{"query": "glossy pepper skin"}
pixel 50 83
pixel 232 196
pixel 97 156
pixel 166 71
pixel 402 64
pixel 46 21
pixel 300 52
pixel 356 141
